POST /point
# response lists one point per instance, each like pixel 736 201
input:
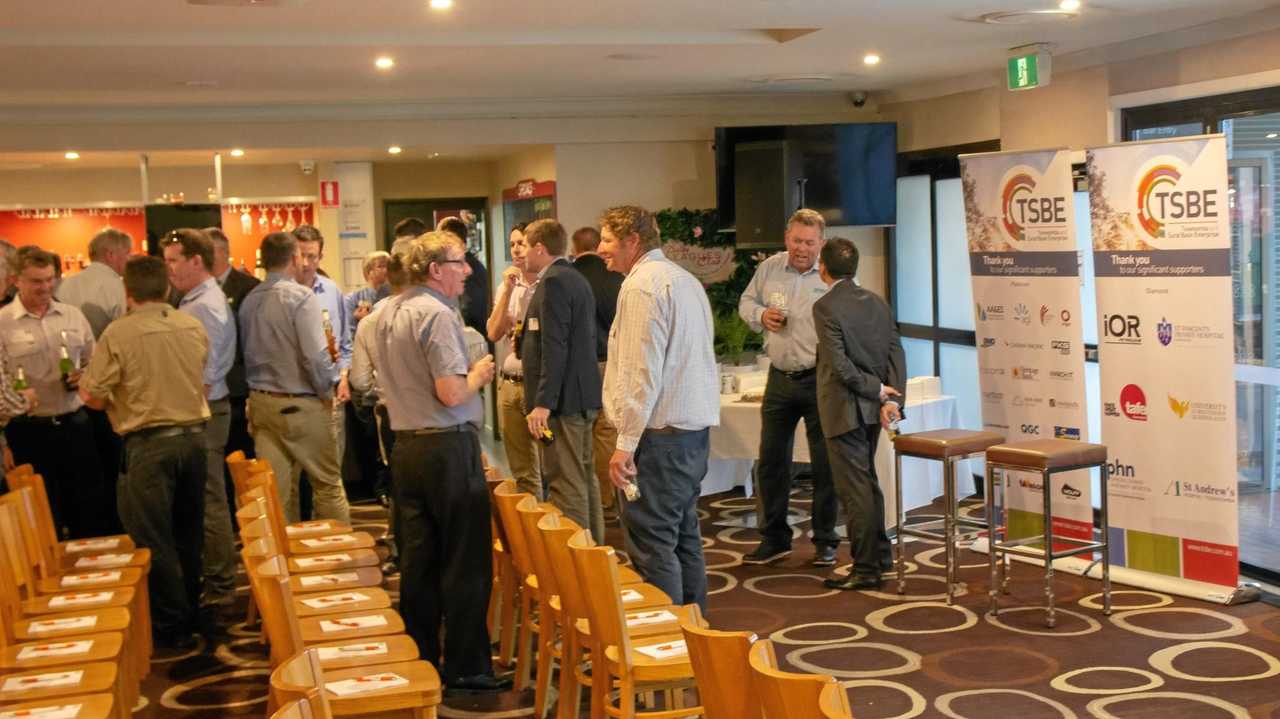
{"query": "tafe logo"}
pixel 1159 201
pixel 1133 403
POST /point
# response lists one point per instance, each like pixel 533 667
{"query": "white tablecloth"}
pixel 735 445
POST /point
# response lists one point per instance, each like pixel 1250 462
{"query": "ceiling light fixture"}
pixel 72 155
pixel 871 58
pixel 441 4
pixel 395 150
pixel 384 62
pixel 1069 5
pixel 237 152
pixel 1273 135
pixel 435 154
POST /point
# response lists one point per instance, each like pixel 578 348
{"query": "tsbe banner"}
pixel 1026 289
pixel 1162 256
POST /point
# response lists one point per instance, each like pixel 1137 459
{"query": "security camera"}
pixel 308 166
pixel 859 99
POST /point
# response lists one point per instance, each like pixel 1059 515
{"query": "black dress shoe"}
pixel 478 684
pixel 853 581
pixel 174 641
pixel 384 499
pixel 824 556
pixel 766 553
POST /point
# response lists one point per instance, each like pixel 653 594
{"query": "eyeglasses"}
pixel 453 262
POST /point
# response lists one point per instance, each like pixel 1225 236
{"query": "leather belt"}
pixel 670 430
pixel 517 379
pixel 46 420
pixel 169 430
pixel 796 375
pixel 283 395
pixel 424 431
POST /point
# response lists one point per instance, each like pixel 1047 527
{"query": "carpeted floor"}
pixel 1156 656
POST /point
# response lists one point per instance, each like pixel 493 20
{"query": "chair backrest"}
pixel 315 705
pixel 834 702
pixel 46 532
pixel 10 598
pixel 19 537
pixel 506 496
pixel 498 533
pixel 21 470
pixel 276 605
pixel 784 695
pixel 723 670
pixel 297 677
pixel 602 590
pixel 556 529
pixel 530 513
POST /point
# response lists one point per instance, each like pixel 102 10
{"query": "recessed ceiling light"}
pixel 629 56
pixel 1273 135
pixel 1069 5
pixel 237 152
pixel 871 58
pixel 395 150
pixel 435 154
pixel 72 155
pixel 441 4
pixel 384 62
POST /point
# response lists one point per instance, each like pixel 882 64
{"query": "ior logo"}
pixel 1122 329
pixel 1164 331
pixel 1133 403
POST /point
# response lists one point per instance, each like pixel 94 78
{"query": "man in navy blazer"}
pixel 561 377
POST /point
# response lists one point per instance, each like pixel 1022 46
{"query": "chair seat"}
pixel 93 599
pixel 945 443
pixel 313 632
pixel 583 626
pixel 627 575
pixel 400 648
pixel 98 677
pixel 316 528
pixel 111 619
pixel 354 600
pixel 423 689
pixel 1041 454
pixel 103 648
pixel 92 706
pixel 89 581
pixel 336 559
pixel 97 545
pixel 330 543
pixel 646 668
pixel 310 583
pixel 112 559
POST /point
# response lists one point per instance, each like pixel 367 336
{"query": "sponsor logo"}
pixel 1133 403
pixel 1070 492
pixel 993 396
pixel 1122 329
pixel 1030 484
pixel 1066 432
pixel 1116 468
pixel 1062 346
pixel 1198 411
pixel 1027 373
pixel 1024 345
pixel 998 371
pixel 1065 318
pixel 1022 314
pixel 1046 315
pixel 1109 409
pixel 990 313
pixel 1179 408
pixel 1025 400
pixel 988 342
pixel 1160 202
pixel 1164 331
pixel 993 425
pixel 1030 429
pixel 1065 375
pixel 1020 207
pixel 1199 490
pixel 1063 404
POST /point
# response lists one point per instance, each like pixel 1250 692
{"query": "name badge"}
pixel 533 324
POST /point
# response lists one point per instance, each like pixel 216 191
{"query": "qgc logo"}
pixel 1159 201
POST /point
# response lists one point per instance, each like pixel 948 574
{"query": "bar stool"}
pixel 947 446
pixel 1047 457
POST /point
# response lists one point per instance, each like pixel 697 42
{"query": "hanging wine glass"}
pixel 289 224
pixel 263 222
pixel 246 221
pixel 276 220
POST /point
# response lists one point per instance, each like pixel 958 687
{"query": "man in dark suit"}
pixel 605 284
pixel 561 377
pixel 475 299
pixel 235 285
pixel 861 365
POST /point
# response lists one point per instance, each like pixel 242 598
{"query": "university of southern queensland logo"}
pixel 1159 178
pixel 1133 403
pixel 1164 331
pixel 1018 187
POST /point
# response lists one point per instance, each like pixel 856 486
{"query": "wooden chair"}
pixel 25 476
pixel 506 497
pixel 260 503
pixel 303 673
pixel 618 657
pixel 784 695
pixel 92 706
pixel 246 474
pixel 504 602
pixel 73 554
pixel 263 547
pixel 313 706
pixel 723 670
pixel 530 512
pixel 834 702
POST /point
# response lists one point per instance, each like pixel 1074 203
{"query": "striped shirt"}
pixel 662 362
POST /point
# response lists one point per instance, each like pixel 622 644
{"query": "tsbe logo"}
pixel 1022 314
pixel 1020 207
pixel 1122 329
pixel 988 342
pixel 1070 492
pixel 1031 429
pixel 1160 202
pixel 1066 432
pixel 1133 403
pixel 1062 346
pixel 1164 331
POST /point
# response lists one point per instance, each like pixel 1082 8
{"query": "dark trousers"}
pixel 387 446
pixel 64 452
pixel 363 444
pixel 786 401
pixel 568 466
pixel 445 567
pixel 110 448
pixel 162 504
pixel 854 472
pixel 663 535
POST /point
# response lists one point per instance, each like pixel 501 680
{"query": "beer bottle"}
pixel 20 382
pixel 330 341
pixel 65 367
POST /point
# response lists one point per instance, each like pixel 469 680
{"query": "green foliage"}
pixel 732 334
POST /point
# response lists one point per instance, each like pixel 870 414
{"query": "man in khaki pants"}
pixel 291 378
pixel 605 284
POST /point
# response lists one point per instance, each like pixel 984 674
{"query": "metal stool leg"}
pixel 1048 548
pixel 991 538
pixel 949 524
pixel 1106 545
pixel 900 555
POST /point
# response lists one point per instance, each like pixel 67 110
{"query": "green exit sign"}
pixel 1029 70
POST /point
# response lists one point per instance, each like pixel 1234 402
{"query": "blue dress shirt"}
pixel 326 290
pixel 207 303
pixel 284 345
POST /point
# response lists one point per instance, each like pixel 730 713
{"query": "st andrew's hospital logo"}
pixel 1017 190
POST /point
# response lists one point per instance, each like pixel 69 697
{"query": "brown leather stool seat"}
pixel 1057 454
pixel 944 443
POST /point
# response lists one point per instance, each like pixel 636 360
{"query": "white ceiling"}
pixel 147 52
pixel 10 161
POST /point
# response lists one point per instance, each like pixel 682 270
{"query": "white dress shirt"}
pixel 517 306
pixel 662 363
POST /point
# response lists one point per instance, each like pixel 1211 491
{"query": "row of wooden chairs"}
pixel 328 622
pixel 75 626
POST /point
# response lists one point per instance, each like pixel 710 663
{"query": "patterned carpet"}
pixel 900 657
